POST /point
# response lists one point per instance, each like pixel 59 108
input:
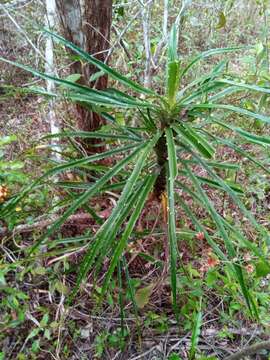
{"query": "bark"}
pixel 88 24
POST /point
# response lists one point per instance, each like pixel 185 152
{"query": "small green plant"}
pixel 176 135
pixel 12 177
pixel 10 171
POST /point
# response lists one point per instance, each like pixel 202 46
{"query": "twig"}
pixel 78 250
pixel 164 39
pixel 121 35
pixel 22 32
pixel 165 19
pixel 43 223
pixel 122 44
pixel 146 10
pixel 145 353
pixel 253 349
pixel 18 4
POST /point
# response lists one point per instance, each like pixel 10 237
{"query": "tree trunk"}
pixel 87 23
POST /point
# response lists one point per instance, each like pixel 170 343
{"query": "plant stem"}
pixel 162 159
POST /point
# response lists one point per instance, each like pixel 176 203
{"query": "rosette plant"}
pixel 176 135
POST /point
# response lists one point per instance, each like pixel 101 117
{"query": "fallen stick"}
pixel 80 218
pixel 253 349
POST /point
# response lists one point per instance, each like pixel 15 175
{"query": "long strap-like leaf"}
pixel 109 229
pixel 102 66
pixel 228 243
pixel 87 195
pixel 213 52
pixel 171 175
pixel 63 167
pixel 83 93
pixel 142 195
pixel 235 109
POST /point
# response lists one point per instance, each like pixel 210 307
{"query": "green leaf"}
pixel 73 77
pixel 194 139
pixel 32 334
pixel 84 93
pixel 63 167
pixel 226 92
pixel 245 86
pixel 220 225
pixel 173 44
pixel 44 320
pixel 196 222
pixel 82 199
pixel 221 20
pixel 243 153
pixel 202 92
pixel 223 165
pixel 256 139
pixel 171 152
pixel 196 330
pixel 262 269
pixel 236 187
pixel 173 67
pixel 201 81
pixel 142 296
pixel 5 140
pixel 106 234
pixel 174 356
pixel 172 232
pixel 213 52
pixel 235 109
pixel 173 81
pixel 102 66
pixel 142 197
pixel 90 135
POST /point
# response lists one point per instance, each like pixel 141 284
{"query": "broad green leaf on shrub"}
pixel 262 269
pixel 183 122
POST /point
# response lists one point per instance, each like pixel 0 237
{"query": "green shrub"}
pixel 176 134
